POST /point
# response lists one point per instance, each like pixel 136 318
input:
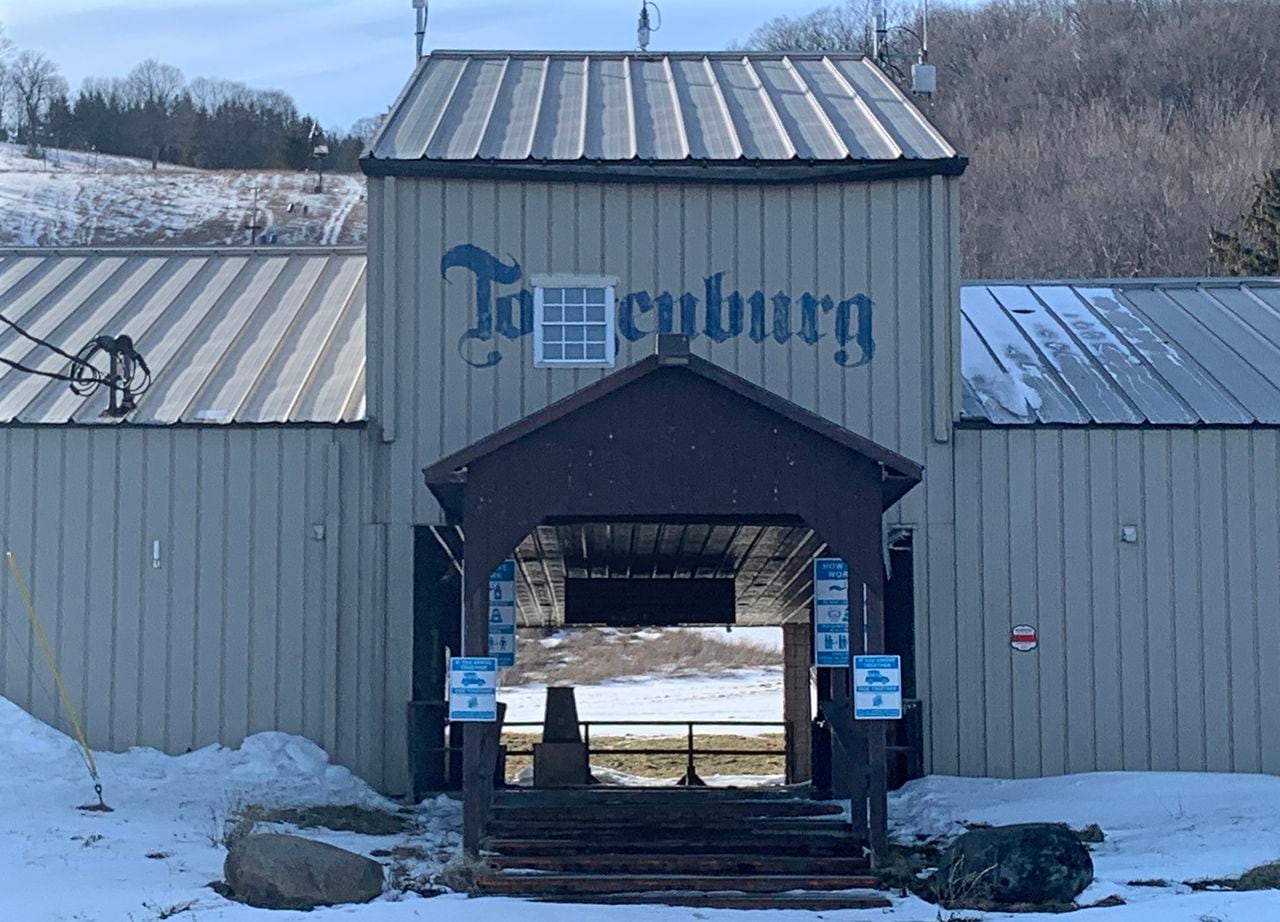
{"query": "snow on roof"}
pixel 260 335
pixel 1131 352
pixel 277 335
pixel 533 108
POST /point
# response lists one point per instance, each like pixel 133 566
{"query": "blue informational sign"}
pixel 830 613
pixel 502 613
pixel 877 687
pixel 473 689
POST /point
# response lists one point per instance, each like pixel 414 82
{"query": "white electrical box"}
pixel 924 78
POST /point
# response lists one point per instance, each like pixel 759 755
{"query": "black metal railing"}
pixel 691 750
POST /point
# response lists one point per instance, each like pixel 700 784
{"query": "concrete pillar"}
pixel 796 709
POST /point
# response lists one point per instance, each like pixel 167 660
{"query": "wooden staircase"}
pixel 705 847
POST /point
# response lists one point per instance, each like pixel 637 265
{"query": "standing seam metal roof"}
pixel 231 335
pixel 273 335
pixel 478 106
pixel 1132 352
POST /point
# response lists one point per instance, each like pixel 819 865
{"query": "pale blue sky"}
pixel 343 59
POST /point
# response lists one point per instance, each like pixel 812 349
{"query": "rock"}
pixel 1091 834
pixel 274 871
pixel 1039 864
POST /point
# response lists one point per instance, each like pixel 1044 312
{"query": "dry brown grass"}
pixel 672 766
pixel 590 655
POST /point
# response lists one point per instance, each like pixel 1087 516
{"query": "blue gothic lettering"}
pixel 487 269
pixel 723 315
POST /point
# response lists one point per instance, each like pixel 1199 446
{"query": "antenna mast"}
pixel 646 28
pixel 421 11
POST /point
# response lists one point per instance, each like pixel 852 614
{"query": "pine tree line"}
pixel 154 113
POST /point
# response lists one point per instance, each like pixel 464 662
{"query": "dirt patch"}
pixel 340 818
pixel 664 766
pixel 588 656
pixel 1263 877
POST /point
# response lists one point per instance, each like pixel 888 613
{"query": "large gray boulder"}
pixel 275 871
pixel 1033 864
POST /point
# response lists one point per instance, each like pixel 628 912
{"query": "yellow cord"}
pixel 53 667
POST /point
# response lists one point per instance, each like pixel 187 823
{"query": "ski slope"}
pixel 74 198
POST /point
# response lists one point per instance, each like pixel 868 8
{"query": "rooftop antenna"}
pixel 646 28
pixel 879 32
pixel 421 11
pixel 924 76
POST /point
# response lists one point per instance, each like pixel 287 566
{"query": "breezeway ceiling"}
pixel 771 564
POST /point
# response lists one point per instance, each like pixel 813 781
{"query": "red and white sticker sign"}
pixel 1024 638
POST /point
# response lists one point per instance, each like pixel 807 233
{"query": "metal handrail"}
pixel 690 749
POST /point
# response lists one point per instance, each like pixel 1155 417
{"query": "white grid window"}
pixel 574 325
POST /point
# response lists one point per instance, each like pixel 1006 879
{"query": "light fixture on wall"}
pixel 1129 534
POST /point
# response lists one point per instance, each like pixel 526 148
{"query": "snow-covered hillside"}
pixel 73 198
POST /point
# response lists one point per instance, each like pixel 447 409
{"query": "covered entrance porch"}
pixel 678 472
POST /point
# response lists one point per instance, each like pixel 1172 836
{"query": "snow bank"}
pixel 156 853
pixel 1175 827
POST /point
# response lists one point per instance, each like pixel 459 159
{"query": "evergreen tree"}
pixel 1255 250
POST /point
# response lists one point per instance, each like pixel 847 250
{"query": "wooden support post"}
pixel 878 762
pixel 796 705
pixel 479 740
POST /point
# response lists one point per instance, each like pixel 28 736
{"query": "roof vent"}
pixel 673 349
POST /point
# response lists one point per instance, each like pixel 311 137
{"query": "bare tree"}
pixel 154 88
pixel 35 80
pixel 6 55
pixel 1105 137
pixel 209 93
pixel 832 28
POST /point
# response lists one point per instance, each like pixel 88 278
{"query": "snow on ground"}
pixel 57 863
pixel 1175 827
pixel 74 198
pixel 768 638
pixel 745 694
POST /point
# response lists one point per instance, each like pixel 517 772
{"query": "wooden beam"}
pixel 479 739
pixel 876 729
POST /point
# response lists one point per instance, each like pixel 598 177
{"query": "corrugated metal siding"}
pixel 249 623
pixel 1163 654
pixel 892 240
pixel 231 336
pixel 611 106
pixel 1185 352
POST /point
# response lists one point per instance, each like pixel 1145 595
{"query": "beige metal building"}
pixel 1100 459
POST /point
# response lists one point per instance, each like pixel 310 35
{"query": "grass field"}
pixel 587 656
pixel 663 766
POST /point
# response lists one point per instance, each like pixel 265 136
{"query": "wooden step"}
pixel 730 864
pixel 695 831
pixel 646 795
pixel 809 902
pixel 662 812
pixel 764 844
pixel 538 885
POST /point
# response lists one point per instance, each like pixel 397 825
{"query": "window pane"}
pixel 574 313
pixel 552 313
pixel 552 333
pixel 575 334
pixel 595 314
pixel 552 351
pixel 595 351
pixel 595 296
pixel 595 333
pixel 552 295
pixel 575 296
pixel 573 351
